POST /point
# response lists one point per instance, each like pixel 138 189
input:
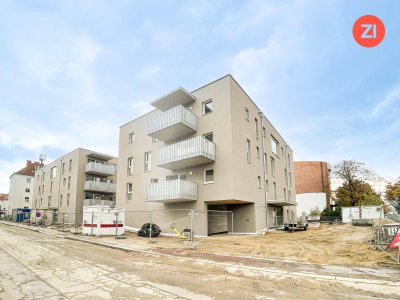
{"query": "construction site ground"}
pixel 328 262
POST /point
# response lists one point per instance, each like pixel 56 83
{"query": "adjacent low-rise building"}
pixel 21 187
pixel 79 178
pixel 4 207
pixel 312 186
pixel 211 150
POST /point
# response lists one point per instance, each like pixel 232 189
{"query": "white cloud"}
pixel 389 105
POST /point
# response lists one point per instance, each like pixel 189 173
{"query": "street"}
pixel 41 266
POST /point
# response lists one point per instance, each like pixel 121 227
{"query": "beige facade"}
pixel 242 179
pixel 81 177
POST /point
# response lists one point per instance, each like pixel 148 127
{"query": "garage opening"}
pixel 219 220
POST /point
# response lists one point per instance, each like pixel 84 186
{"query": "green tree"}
pixel 360 193
pixel 392 195
pixel 353 173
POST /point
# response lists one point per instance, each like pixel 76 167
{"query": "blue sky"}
pixel 72 72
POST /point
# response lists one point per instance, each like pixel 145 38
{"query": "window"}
pixel 286 178
pixel 290 179
pixel 49 201
pixel 209 176
pixel 256 126
pixel 288 160
pixel 51 186
pixel 129 191
pixel 282 152
pixel 26 199
pixel 70 165
pixel 39 191
pixel 264 132
pixel 131 137
pixel 68 198
pixel 246 114
pixel 290 196
pixel 266 185
pixel 42 189
pixel 27 190
pixel 41 201
pixel 153 180
pixel 69 182
pixel 154 140
pixel 207 106
pixel 284 193
pixel 265 162
pixel 274 190
pixel 64 181
pixel 63 168
pixel 274 145
pixel 248 151
pixel 61 198
pixel 147 161
pixel 174 177
pixel 209 136
pixel 272 166
pixel 28 180
pixel 53 172
pixel 130 166
pixel 258 152
pixel 259 182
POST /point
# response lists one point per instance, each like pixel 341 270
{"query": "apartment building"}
pixel 79 178
pixel 3 205
pixel 211 149
pixel 20 194
pixel 312 185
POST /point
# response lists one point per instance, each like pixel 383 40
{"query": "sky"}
pixel 72 72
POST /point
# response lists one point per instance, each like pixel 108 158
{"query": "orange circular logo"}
pixel 368 31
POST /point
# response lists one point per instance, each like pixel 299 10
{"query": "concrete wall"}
pixel 307 202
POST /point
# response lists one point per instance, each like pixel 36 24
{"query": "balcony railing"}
pixel 187 153
pixel 98 186
pixel 100 169
pixel 173 124
pixel 177 190
pixel 90 202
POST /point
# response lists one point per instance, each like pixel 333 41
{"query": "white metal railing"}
pixel 99 186
pixel 90 202
pixel 100 168
pixel 177 114
pixel 197 146
pixel 171 190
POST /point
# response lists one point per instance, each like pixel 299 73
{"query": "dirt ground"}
pixel 337 244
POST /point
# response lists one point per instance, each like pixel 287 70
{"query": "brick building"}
pixel 312 185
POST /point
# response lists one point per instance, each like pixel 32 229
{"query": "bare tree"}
pixel 353 172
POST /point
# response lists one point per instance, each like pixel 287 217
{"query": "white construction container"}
pixel 367 212
pixel 103 220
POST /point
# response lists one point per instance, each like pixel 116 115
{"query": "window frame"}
pixel 129 170
pixel 259 182
pixel 247 114
pixel 131 137
pixel 204 106
pixel 272 163
pixel 276 147
pixel 248 151
pixel 205 176
pixel 129 191
pixel 147 161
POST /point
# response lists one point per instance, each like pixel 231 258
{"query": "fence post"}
pixel 116 224
pixel 232 221
pixel 151 213
pixel 91 226
pixel 192 230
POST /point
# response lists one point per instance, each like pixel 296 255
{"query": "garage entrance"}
pixel 219 220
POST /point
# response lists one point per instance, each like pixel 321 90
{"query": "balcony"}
pixel 188 153
pixel 98 186
pixel 90 202
pixel 173 124
pixel 99 169
pixel 177 97
pixel 177 190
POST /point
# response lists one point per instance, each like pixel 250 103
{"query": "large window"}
pixel 248 145
pixel 209 176
pixel 130 166
pixel 207 106
pixel 129 191
pixel 131 137
pixel 274 145
pixel 147 161
pixel 272 166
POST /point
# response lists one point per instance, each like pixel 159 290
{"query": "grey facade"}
pixel 211 149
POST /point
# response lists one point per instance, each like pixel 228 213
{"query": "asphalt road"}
pixel 39 266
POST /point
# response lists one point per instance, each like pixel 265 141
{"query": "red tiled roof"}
pixel 29 169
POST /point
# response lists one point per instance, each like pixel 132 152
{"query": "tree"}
pixel 352 173
pixel 361 193
pixel 392 195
